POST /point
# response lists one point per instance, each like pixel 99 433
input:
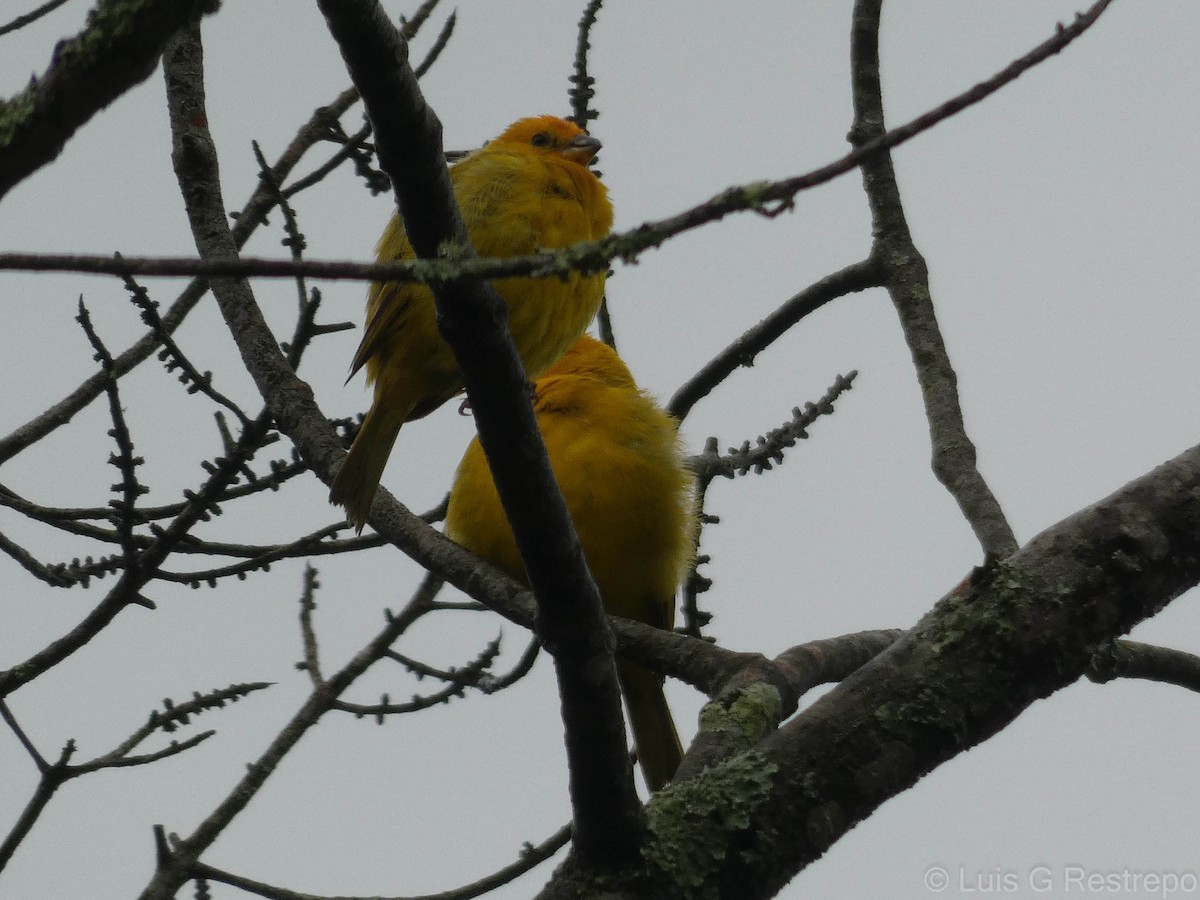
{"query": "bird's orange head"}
pixel 590 358
pixel 552 136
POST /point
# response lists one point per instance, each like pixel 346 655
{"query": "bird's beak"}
pixel 581 149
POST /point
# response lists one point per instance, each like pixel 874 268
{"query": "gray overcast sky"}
pixel 1059 222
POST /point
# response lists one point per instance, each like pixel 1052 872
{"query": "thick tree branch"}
pixel 1006 637
pixel 118 49
pixel 471 317
pixel 751 694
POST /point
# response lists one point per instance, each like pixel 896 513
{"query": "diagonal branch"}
pixel 252 215
pixel 907 280
pixel 1004 638
pixel 766 198
pixel 471 318
pixel 853 278
pixel 1007 636
pixel 531 857
pixel 30 17
pixel 119 48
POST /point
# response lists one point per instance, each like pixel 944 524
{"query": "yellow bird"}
pixel 617 458
pixel 529 189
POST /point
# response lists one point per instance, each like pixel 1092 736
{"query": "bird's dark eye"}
pixel 542 139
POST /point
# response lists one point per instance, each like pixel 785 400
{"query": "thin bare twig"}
pixel 55 775
pixel 581 91
pixel 252 215
pixel 742 352
pixel 766 198
pixel 531 857
pixel 581 94
pixel 768 449
pixel 30 17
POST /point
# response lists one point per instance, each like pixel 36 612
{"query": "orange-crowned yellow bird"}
pixel 527 190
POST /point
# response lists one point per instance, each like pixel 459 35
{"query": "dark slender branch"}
pixel 30 17
pixel 765 198
pixel 173 357
pixel 251 216
pixel 604 323
pixel 15 727
pixel 410 26
pixel 179 862
pixel 125 514
pixel 295 240
pixel 471 318
pixel 742 352
pixel 710 464
pixel 581 92
pixel 350 149
pixel 52 779
pixel 457 681
pixel 176 715
pixel 767 451
pixel 439 45
pixel 495 684
pixel 308 631
pixel 257 556
pixel 124 762
pixel 54 775
pixel 53 575
pixel 531 857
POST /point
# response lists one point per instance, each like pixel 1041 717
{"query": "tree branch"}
pixel 907 279
pixel 119 48
pixel 531 857
pixel 471 318
pixel 1132 659
pixel 30 17
pixel 766 198
pixel 252 214
pixel 857 277
pixel 1006 637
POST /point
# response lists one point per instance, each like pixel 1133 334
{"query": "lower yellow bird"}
pixel 617 458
